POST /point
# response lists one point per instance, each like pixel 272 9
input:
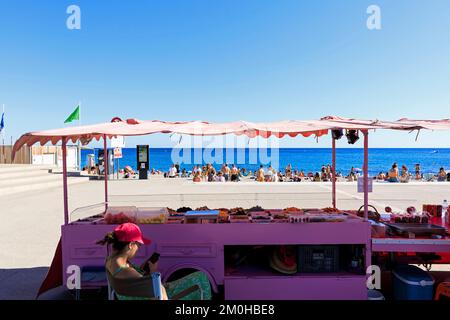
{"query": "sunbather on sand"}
pixel 317 177
pixel 197 177
pixel 404 177
pixel 418 172
pixel 352 175
pixel 173 172
pixel 220 177
pixel 260 176
pixel 328 172
pixel 442 175
pixel 393 173
pixel 234 173
pixel 129 172
pixel 288 171
pixel 211 172
pixel 381 176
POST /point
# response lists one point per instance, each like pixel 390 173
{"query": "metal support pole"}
pixel 105 166
pixel 366 174
pixel 333 174
pixel 368 254
pixel 118 168
pixel 66 200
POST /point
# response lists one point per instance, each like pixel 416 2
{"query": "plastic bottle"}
pixel 445 210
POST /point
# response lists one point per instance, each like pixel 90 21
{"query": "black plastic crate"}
pixel 318 259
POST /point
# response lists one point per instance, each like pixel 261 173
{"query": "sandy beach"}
pixel 31 223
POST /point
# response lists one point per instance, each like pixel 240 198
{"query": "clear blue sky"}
pixel 223 60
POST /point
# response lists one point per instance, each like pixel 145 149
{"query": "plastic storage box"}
pixel 412 283
pixel 318 259
pixel 152 215
pixel 119 215
pixel 201 216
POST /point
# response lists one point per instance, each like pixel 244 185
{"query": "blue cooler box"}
pixel 412 283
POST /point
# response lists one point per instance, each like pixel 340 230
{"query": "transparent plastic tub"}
pixel 152 215
pixel 120 214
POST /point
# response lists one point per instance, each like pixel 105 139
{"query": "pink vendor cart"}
pixel 203 246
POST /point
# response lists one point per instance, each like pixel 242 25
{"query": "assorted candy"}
pixel 161 218
pixel 119 218
pixel 410 216
pixel 256 214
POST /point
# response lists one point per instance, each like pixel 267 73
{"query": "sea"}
pixel 307 159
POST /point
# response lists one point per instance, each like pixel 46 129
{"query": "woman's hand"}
pixel 153 267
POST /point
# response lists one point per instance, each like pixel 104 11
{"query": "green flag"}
pixel 74 116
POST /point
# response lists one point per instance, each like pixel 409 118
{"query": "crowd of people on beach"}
pixel 404 176
pixel 207 173
pixel 233 173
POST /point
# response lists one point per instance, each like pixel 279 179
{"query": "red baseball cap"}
pixel 129 232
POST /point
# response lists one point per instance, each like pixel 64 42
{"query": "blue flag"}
pixel 2 123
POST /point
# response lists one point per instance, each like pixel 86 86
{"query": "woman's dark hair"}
pixel 111 239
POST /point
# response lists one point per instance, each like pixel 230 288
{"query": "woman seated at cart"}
pixel 131 282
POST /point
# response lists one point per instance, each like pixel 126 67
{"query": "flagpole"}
pixel 3 136
pixel 79 143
